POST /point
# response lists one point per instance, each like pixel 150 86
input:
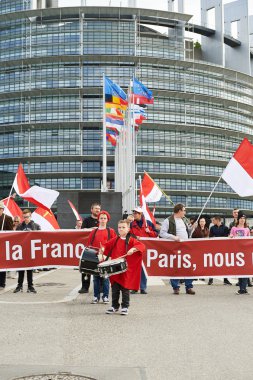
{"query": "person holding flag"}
pixel 141 227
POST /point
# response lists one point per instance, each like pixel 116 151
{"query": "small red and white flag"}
pixel 38 195
pixel 239 171
pixel 148 215
pixel 150 191
pixel 45 219
pixel 78 217
pixel 11 208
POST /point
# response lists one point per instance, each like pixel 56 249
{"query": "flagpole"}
pixel 134 140
pixel 104 180
pixel 160 189
pixel 206 202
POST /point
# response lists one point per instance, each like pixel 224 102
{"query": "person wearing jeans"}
pixel 97 238
pixel 176 228
pixel 141 227
pixel 239 230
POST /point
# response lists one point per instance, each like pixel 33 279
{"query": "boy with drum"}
pixel 124 245
pixel 97 238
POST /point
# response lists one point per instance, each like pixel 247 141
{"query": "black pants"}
pixel 116 288
pixel 86 281
pixel 21 275
pixel 2 279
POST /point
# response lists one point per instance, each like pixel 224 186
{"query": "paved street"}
pixel 208 335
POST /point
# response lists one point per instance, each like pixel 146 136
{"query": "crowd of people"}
pixel 131 228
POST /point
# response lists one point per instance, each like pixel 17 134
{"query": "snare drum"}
pixel 111 267
pixel 89 261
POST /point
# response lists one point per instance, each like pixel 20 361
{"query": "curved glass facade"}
pixel 51 66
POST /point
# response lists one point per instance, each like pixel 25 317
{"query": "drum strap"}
pixel 94 234
pixel 127 241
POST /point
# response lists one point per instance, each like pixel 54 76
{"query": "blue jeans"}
pixel 143 284
pixel 100 281
pixel 175 284
pixel 243 282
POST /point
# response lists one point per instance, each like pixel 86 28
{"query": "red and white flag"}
pixel 11 208
pixel 45 219
pixel 38 195
pixel 148 215
pixel 150 191
pixel 78 217
pixel 239 171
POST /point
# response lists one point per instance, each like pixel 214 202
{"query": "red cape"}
pixel 131 278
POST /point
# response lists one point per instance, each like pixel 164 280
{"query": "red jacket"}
pixel 131 278
pixel 139 229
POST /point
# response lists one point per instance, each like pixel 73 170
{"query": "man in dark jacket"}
pixel 89 222
pixel 176 228
pixel 219 230
pixel 26 225
pixel 6 224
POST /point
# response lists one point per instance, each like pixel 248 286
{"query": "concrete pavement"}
pixel 164 336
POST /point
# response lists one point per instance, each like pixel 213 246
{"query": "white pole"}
pixel 133 139
pixel 206 202
pixel 104 181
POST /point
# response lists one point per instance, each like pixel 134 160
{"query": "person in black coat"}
pixel 26 225
pixel 219 230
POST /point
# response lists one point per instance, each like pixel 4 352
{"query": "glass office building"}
pixel 51 66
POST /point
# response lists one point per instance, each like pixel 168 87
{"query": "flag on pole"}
pixel 114 110
pixel 239 172
pixel 148 215
pixel 11 208
pixel 77 215
pixel 141 94
pixel 138 115
pixel 45 219
pixel 38 195
pixel 114 93
pixel 150 191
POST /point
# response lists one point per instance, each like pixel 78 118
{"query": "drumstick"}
pixel 121 257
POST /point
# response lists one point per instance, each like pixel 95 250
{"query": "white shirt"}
pixel 181 229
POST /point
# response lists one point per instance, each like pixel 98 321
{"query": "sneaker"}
pixel 124 311
pixel 143 291
pixel 18 289
pixel 176 291
pixel 226 282
pixel 133 291
pixel 210 282
pixel 240 292
pixel 105 300
pixel 95 300
pixel 31 290
pixel 111 310
pixel 83 290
